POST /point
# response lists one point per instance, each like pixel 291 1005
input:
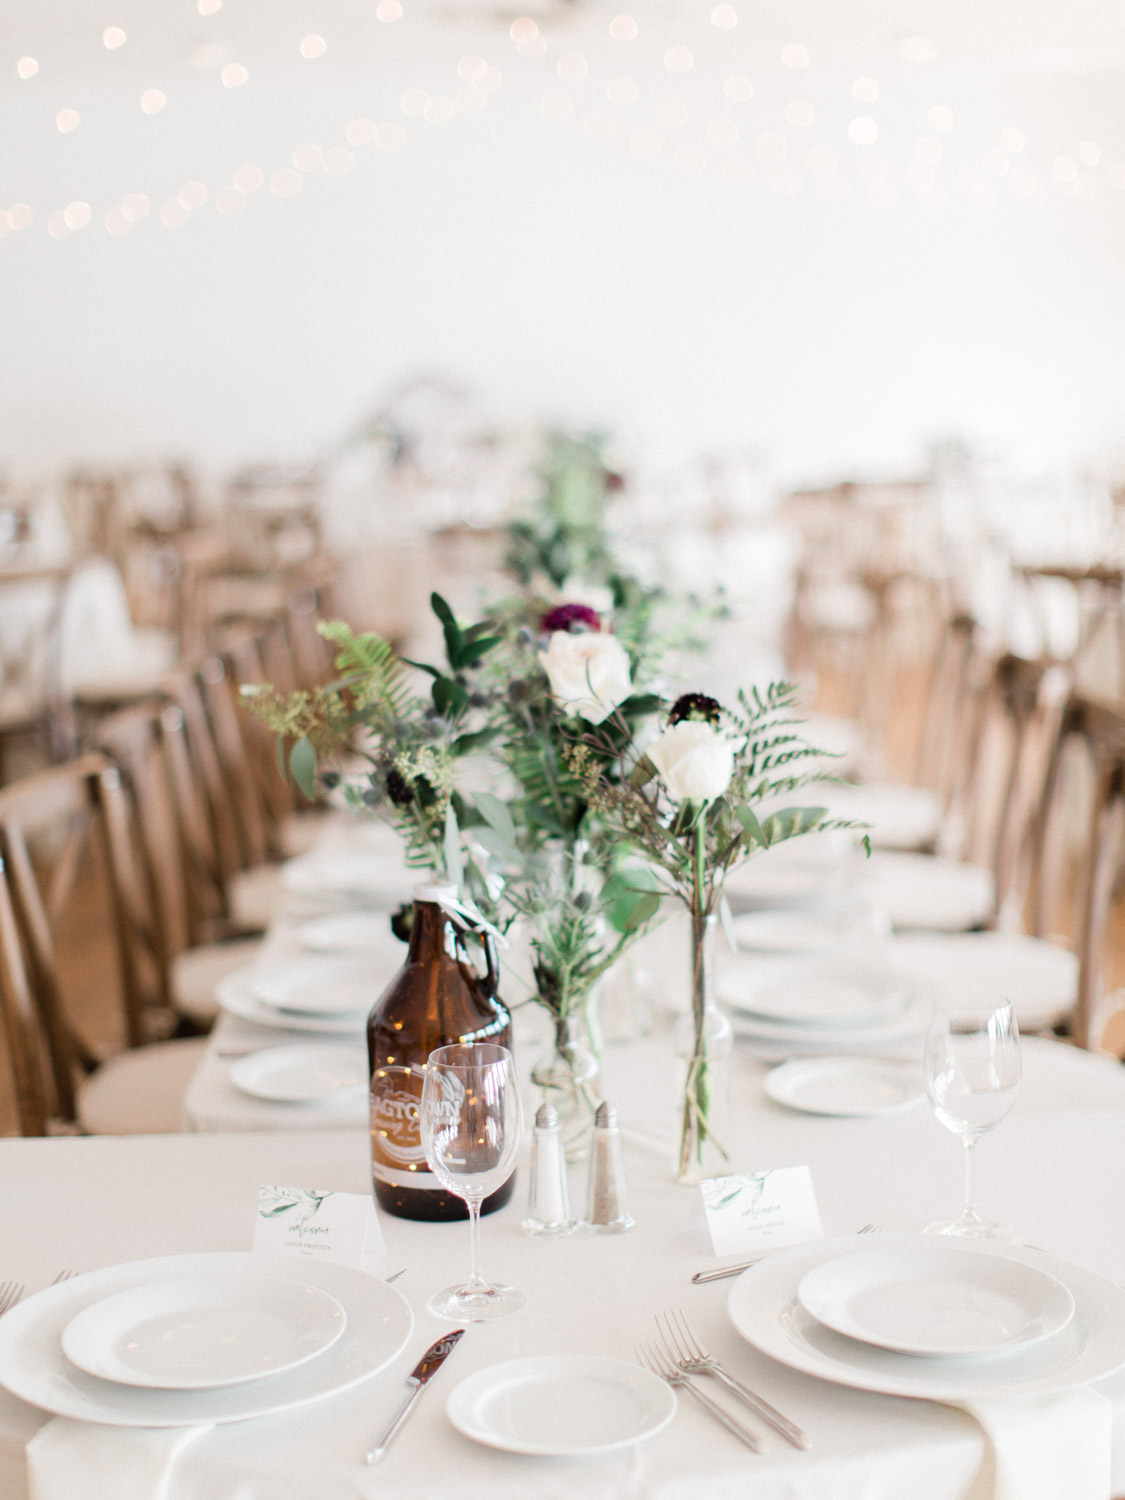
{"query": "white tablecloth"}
pixel 1053 1174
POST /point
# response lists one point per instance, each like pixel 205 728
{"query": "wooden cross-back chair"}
pixel 200 945
pixel 75 823
pixel 1077 868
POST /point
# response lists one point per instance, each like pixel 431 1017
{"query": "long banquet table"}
pixel 1052 1172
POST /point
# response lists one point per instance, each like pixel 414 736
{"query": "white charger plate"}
pixel 195 1333
pixel 34 1367
pixel 321 984
pixel 352 932
pixel 763 1307
pixel 302 1072
pixel 937 1299
pixel 378 878
pixel 852 1086
pixel 236 994
pixel 561 1405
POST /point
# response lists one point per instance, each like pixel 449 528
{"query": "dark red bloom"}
pixel 695 706
pixel 614 481
pixel 397 789
pixel 572 617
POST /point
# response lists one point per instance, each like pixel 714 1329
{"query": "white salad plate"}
pixel 237 994
pixel 321 984
pixel 367 875
pixel 858 1086
pixel 923 891
pixel 813 992
pixel 936 1300
pixel 561 1405
pixel 302 1072
pixel 195 1333
pixel 352 932
pixel 34 1367
pixel 764 1308
pixel 1039 978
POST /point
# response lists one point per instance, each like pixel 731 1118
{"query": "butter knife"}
pixel 425 1370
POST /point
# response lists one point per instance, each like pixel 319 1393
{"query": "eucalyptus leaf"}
pixel 496 814
pixel 302 766
pixel 752 834
pixel 642 773
pixel 450 698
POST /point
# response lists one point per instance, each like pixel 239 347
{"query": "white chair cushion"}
pixel 923 892
pixel 256 896
pixel 140 1092
pixel 195 973
pixel 1039 978
pixel 899 816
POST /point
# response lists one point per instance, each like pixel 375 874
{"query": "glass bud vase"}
pixel 704 1053
pixel 569 1077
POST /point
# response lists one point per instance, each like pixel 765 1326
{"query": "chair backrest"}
pixel 66 836
pixel 1080 839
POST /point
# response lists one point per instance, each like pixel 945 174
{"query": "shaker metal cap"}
pixel 546 1117
pixel 606 1116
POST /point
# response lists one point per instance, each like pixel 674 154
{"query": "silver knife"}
pixel 425 1370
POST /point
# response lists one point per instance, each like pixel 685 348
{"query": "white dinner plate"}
pixel 565 1404
pixel 795 931
pixel 846 1085
pixel 367 875
pixel 927 892
pixel 196 1333
pixel 352 932
pixel 813 992
pixel 322 984
pixel 302 1072
pixel 236 994
pixel 34 1367
pixel 764 1309
pixel 936 1300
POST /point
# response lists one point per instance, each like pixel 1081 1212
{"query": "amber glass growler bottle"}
pixel 436 998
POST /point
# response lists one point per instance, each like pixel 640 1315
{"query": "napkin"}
pixel 1045 1447
pixel 66 1458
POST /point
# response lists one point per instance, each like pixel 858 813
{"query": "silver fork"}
pixel 690 1356
pixel 10 1294
pixel 744 1265
pixel 648 1354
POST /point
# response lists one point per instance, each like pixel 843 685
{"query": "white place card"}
pixel 321 1225
pixel 761 1210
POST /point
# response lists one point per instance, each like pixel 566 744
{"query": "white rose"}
pixel 694 761
pixel 588 673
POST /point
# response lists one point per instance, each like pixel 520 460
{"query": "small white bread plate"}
pixel 196 1333
pixel 561 1405
pixel 763 1307
pixel 34 1367
pixel 302 1072
pixel 353 932
pixel 323 983
pixel 854 1086
pixel 935 1300
pixel 791 931
pixel 236 994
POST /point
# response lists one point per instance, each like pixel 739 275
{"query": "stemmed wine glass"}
pixel 972 1073
pixel 471 1126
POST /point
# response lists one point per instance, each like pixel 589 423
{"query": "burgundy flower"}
pixel 614 481
pixel 397 789
pixel 695 706
pixel 572 617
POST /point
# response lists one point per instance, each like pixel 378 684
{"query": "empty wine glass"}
pixel 472 1125
pixel 972 1072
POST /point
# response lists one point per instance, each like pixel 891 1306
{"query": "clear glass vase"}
pixel 569 1076
pixel 704 1052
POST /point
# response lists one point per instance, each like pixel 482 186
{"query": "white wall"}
pixel 561 275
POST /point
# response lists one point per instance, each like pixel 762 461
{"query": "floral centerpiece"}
pixel 688 806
